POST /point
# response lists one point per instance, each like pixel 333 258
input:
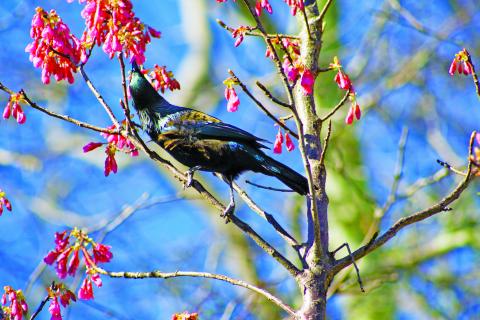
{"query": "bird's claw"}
pixel 228 213
pixel 189 175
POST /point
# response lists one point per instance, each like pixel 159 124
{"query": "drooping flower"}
pixel 307 81
pixel 461 63
pixel 232 99
pixel 343 80
pixel 54 48
pixel 354 111
pixel 277 145
pixel 86 290
pixel 162 79
pixel 262 4
pixel 54 309
pixel 14 109
pixel 92 146
pixel 110 162
pixel 295 5
pixel 101 253
pixel 288 142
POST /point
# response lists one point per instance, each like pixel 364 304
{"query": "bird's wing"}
pixel 204 126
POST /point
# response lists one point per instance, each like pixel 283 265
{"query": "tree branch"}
pixel 441 206
pixel 337 107
pixel 261 106
pixel 166 275
pixel 54 114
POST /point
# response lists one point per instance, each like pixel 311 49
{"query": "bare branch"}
pixel 166 275
pixel 271 97
pixel 337 107
pixel 324 10
pixel 325 143
pixel 442 205
pixel 57 115
pixel 256 34
pixel 98 96
pixel 268 217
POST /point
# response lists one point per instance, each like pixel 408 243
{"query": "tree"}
pixel 313 261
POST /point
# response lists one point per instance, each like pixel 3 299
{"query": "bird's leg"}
pixel 189 175
pixel 231 206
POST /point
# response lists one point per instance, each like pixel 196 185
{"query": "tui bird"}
pixel 205 143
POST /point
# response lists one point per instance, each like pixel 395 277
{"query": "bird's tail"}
pixel 291 178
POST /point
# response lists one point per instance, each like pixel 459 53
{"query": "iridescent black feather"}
pixel 199 140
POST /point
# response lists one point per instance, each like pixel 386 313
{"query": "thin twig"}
pixel 441 206
pixel 261 106
pixel 306 22
pixel 99 96
pixel 271 97
pixel 268 217
pixel 325 143
pixel 56 115
pixel 450 168
pixel 337 107
pixel 43 303
pixel 257 34
pixel 359 279
pixel 126 109
pixel 166 275
pixel 324 10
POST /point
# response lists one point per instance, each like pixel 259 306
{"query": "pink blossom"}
pixel 307 81
pixel 461 63
pixel 86 290
pixel 163 79
pixel 54 49
pixel 288 142
pixel 354 112
pixel 114 26
pixel 290 70
pixel 277 146
pixel 54 309
pixel 101 253
pixel 92 146
pixel 110 162
pixel 262 4
pixel 295 5
pixel 16 306
pixel 73 264
pixel 343 80
pixel 232 99
pixel 95 277
pixel 14 109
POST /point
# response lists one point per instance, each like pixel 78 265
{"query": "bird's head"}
pixel 143 93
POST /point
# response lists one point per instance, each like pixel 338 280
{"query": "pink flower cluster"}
pixel 54 49
pixel 113 24
pixel 277 146
pixel 461 63
pixel 115 142
pixel 162 79
pixel 293 67
pixel 344 83
pixel 67 260
pixel 14 109
pixel 56 293
pixel 4 202
pixel 230 95
pixel 185 316
pixel 295 5
pixel 14 304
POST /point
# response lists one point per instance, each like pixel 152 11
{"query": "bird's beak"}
pixel 135 66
